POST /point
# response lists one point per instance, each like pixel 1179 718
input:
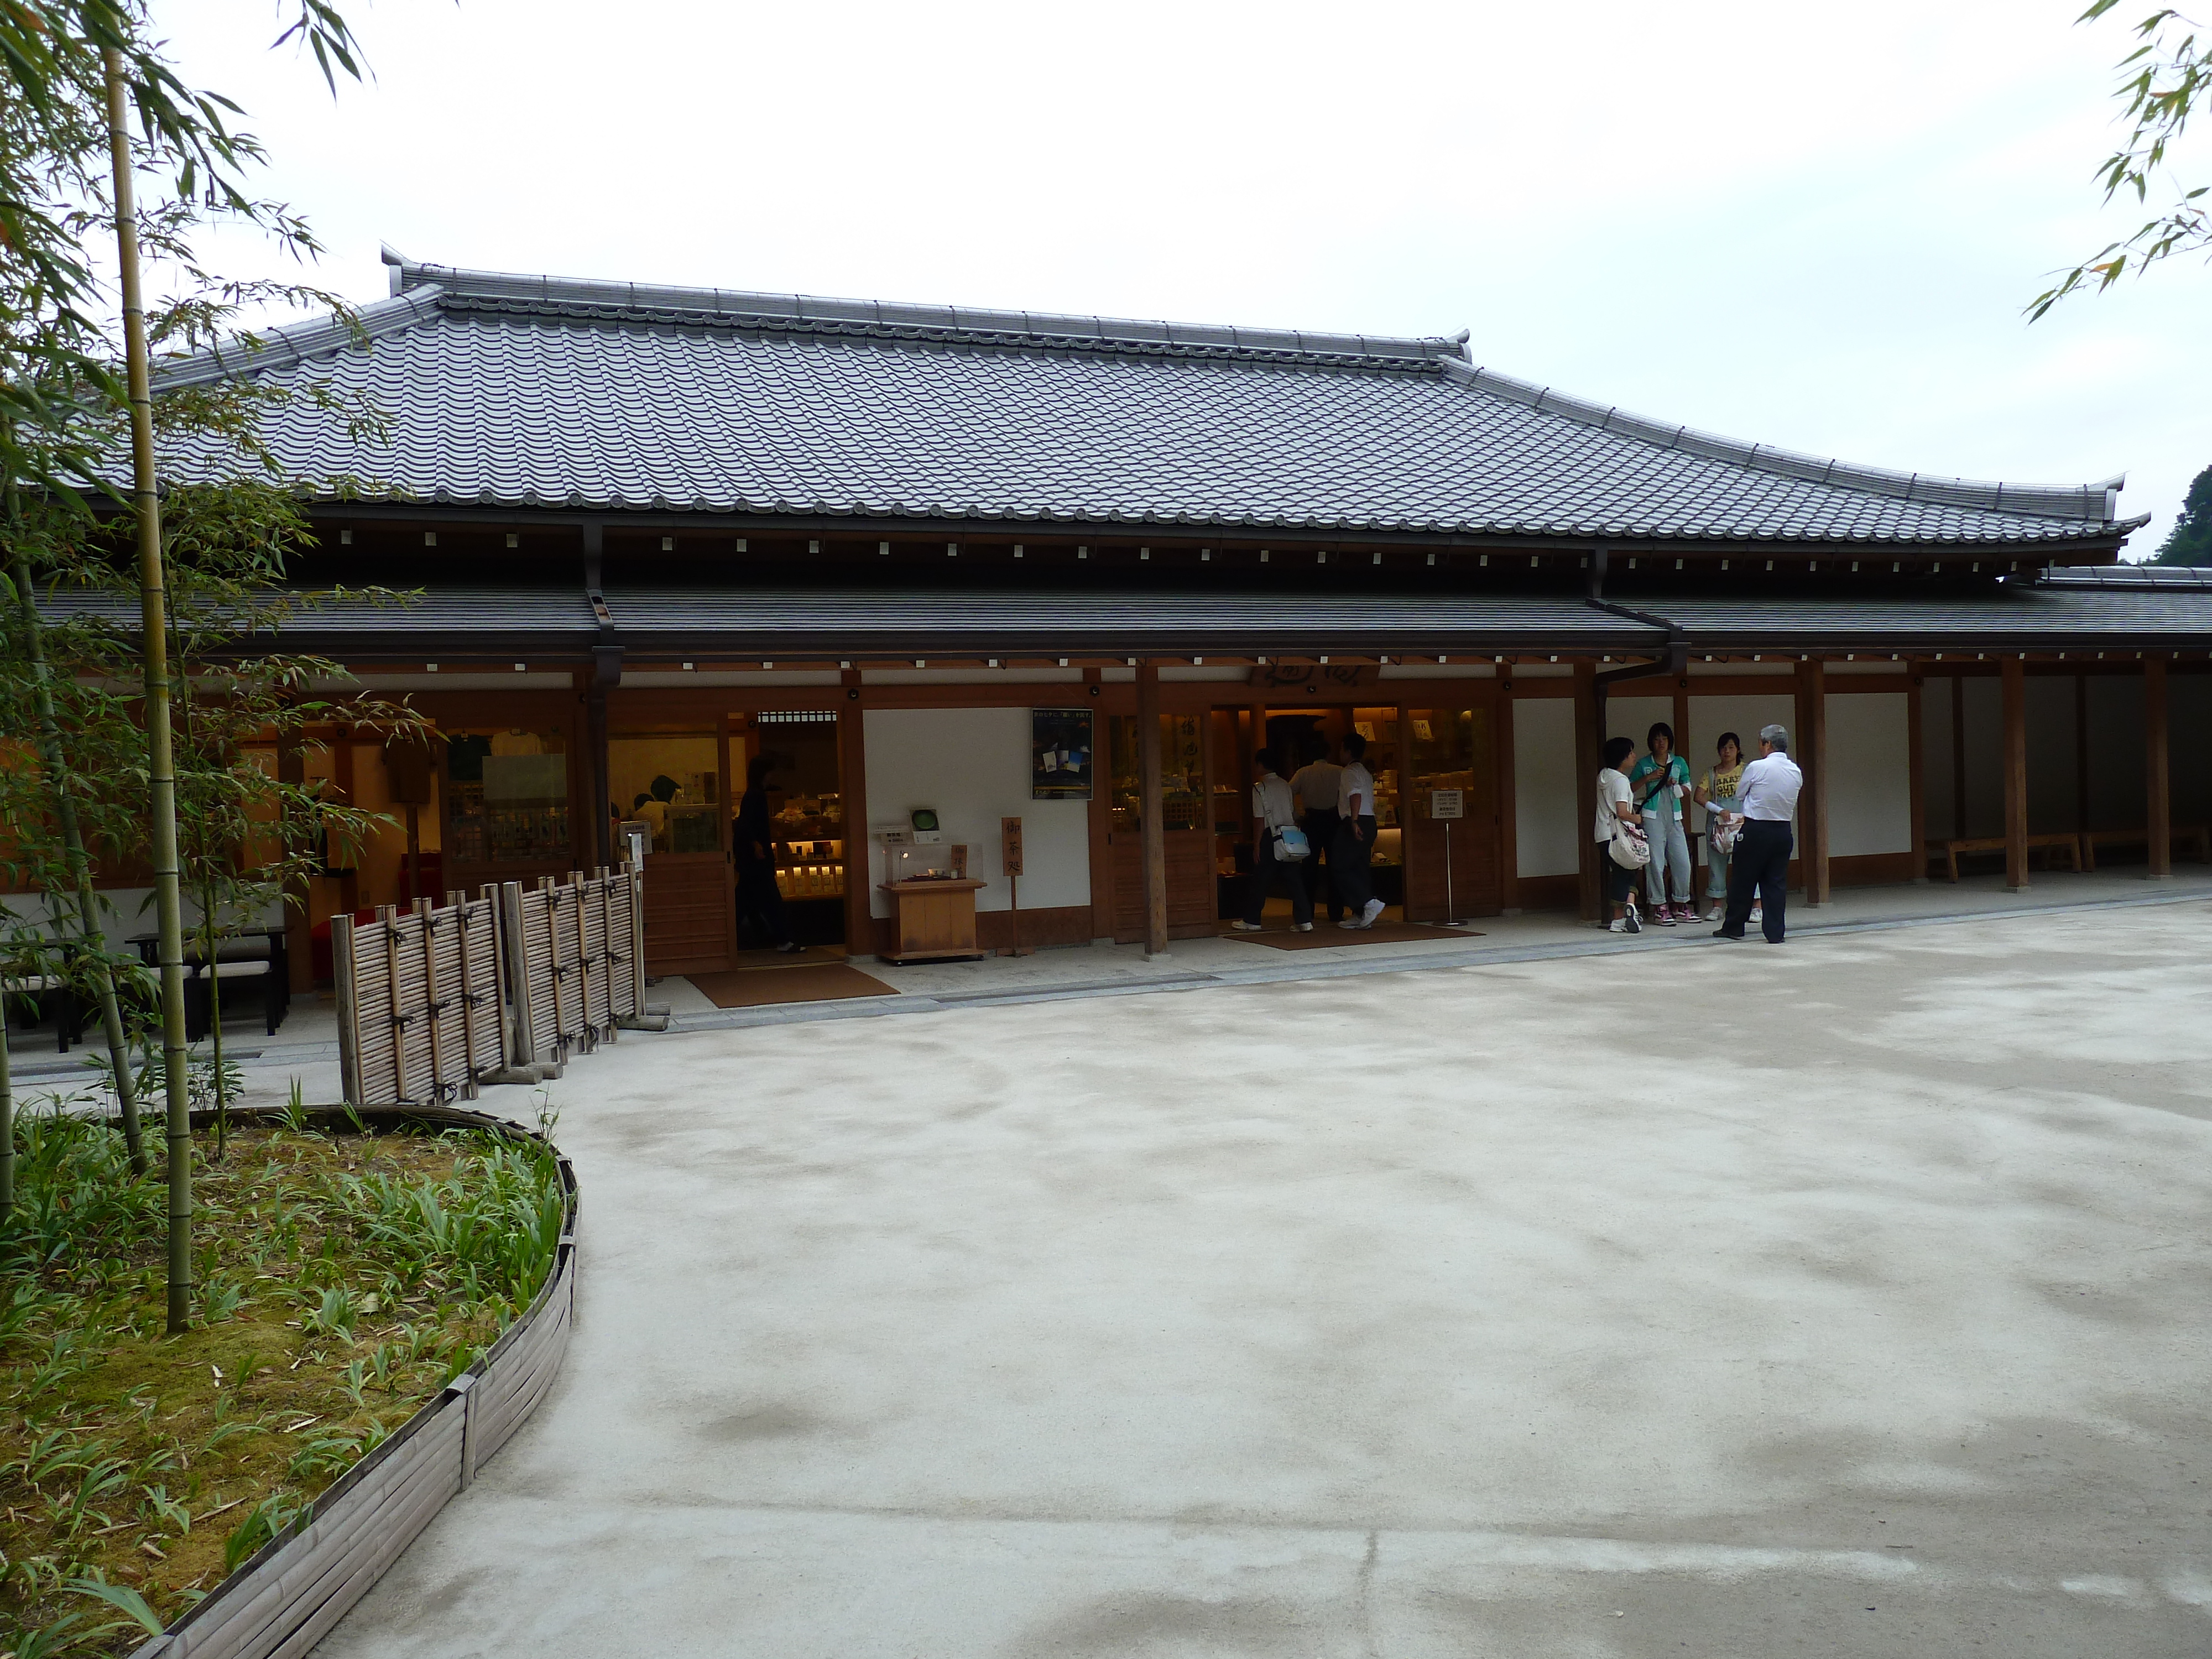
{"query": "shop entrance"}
pixel 1187 787
pixel 672 783
pixel 1299 735
pixel 806 814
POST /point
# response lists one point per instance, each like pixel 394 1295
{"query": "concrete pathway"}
pixel 1846 1298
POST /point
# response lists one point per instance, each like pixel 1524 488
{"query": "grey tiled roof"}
pixel 2043 617
pixel 535 392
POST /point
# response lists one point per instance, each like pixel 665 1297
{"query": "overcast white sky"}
pixel 1812 226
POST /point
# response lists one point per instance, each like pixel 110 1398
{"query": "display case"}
pixel 809 847
pixel 1182 774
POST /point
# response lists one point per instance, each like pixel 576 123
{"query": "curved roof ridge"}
pixel 290 343
pixel 809 311
pixel 2094 502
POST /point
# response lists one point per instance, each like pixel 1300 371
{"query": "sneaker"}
pixel 1635 922
pixel 1719 912
pixel 1245 926
pixel 1375 907
pixel 791 947
pixel 1622 925
pixel 1757 911
pixel 1663 914
pixel 1349 921
pixel 1686 911
pixel 1305 927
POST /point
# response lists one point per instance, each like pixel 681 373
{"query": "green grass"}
pixel 342 1281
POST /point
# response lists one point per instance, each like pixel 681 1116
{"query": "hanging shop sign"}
pixel 1315 676
pixel 1060 753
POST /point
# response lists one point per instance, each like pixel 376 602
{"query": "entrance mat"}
pixel 1327 933
pixel 756 987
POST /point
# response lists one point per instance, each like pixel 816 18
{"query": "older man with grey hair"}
pixel 1761 868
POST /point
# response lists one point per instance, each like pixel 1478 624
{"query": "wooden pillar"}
pixel 299 943
pixel 1508 847
pixel 1102 812
pixel 1959 756
pixel 1812 757
pixel 1915 742
pixel 2015 772
pixel 853 790
pixel 1154 807
pixel 2157 799
pixel 2081 753
pixel 1589 749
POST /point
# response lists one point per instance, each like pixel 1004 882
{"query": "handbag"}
pixel 1290 843
pixel 1630 849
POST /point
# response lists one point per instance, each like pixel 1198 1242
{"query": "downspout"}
pixel 606 673
pixel 1677 638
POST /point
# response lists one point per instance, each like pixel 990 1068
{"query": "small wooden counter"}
pixel 934 918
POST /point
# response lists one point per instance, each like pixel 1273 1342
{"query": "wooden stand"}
pixel 935 919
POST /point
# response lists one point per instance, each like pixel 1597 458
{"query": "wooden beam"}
pixel 853 788
pixel 1154 806
pixel 1509 848
pixel 1811 757
pixel 1589 753
pixel 2016 773
pixel 1101 815
pixel 2157 794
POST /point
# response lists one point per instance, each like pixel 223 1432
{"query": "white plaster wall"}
pixel 1741 714
pixel 1547 827
pixel 1633 717
pixel 127 910
pixel 1870 773
pixel 972 765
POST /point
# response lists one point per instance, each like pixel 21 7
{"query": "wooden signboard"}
pixel 1010 845
pixel 1316 677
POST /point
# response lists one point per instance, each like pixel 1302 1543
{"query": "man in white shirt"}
pixel 1314 784
pixel 1355 837
pixel 1271 810
pixel 1761 867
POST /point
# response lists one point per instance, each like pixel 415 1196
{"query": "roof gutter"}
pixel 1678 637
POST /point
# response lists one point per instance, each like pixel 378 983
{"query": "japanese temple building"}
pixel 656 531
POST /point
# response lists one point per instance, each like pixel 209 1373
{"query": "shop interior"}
pixel 806 809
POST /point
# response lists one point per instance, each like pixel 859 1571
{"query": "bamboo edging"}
pixel 286 1597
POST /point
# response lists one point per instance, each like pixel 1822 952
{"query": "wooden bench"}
pixel 52 998
pixel 2200 834
pixel 1948 851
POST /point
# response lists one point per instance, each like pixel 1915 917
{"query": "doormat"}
pixel 756 987
pixel 1327 933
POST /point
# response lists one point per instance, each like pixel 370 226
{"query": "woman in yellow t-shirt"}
pixel 1718 793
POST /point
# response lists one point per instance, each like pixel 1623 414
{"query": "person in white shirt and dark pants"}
pixel 1761 866
pixel 1348 863
pixel 1271 807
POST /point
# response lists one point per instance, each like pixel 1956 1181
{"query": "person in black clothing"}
pixel 754 842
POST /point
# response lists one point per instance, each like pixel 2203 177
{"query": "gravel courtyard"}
pixel 1845 1299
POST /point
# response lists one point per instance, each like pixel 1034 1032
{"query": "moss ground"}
pixel 341 1281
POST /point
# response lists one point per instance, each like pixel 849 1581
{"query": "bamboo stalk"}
pixel 80 868
pixel 162 765
pixel 7 1123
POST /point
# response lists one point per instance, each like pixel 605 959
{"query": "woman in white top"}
pixel 1271 809
pixel 1615 806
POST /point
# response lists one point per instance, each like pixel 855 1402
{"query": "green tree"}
pixel 98 135
pixel 2190 540
pixel 2163 81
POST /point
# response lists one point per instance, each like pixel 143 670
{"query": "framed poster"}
pixel 1060 753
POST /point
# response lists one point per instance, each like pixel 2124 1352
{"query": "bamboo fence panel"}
pixel 421 1013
